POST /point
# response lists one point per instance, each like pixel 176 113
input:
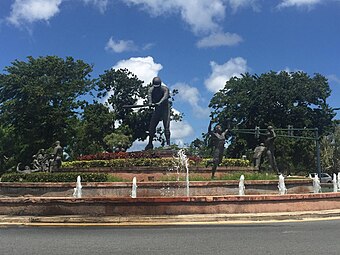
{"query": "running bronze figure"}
pixel 218 138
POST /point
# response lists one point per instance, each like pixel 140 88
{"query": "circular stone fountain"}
pixel 163 197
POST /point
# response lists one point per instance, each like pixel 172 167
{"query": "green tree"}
pixel 200 147
pixel 8 144
pixel 121 87
pixel 39 100
pixel 95 123
pixel 118 140
pixel 277 99
pixel 330 150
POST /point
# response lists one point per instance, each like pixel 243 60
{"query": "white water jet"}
pixel 134 188
pixel 184 163
pixel 335 184
pixel 339 181
pixel 282 186
pixel 241 187
pixel 77 190
pixel 316 184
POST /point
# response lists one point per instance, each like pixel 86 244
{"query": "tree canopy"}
pixel 277 99
pixel 121 87
pixel 40 99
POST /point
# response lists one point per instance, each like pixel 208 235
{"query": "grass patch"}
pixel 250 176
pixel 113 178
pixel 182 178
pixel 226 177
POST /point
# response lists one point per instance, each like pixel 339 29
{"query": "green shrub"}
pixel 116 163
pixel 160 162
pixel 54 177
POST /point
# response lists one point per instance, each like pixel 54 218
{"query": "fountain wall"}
pixel 153 189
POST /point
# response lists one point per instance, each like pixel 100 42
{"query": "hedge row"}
pixel 160 162
pixel 129 162
pixel 54 177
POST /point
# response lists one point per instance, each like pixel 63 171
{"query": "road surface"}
pixel 318 237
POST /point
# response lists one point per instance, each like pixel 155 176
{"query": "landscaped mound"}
pixel 143 158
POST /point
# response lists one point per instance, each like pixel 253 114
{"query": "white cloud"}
pixel 23 11
pixel 222 73
pixel 236 4
pixel 148 46
pixel 100 4
pixel 120 46
pixel 333 78
pixel 144 67
pixel 180 130
pixel 191 95
pixel 298 3
pixel 219 39
pixel 202 16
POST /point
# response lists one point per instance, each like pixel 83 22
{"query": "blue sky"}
pixel 193 45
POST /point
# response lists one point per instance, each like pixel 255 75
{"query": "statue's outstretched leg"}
pixel 149 146
pixel 152 130
pixel 166 125
pixel 272 161
pixel 213 171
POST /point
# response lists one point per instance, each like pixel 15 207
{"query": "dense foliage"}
pixel 120 88
pixel 330 151
pixel 39 100
pixel 46 99
pixel 277 99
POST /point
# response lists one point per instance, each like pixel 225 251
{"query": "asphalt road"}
pixel 319 237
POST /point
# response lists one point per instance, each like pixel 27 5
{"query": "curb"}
pixel 191 219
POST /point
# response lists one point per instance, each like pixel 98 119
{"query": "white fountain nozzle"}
pixel 134 187
pixel 77 193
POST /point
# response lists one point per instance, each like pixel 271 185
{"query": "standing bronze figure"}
pixel 269 143
pixel 257 156
pixel 56 157
pixel 158 96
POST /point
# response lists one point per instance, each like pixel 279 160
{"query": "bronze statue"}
pixel 41 161
pixel 158 96
pixel 56 157
pixel 218 138
pixel 257 156
pixel 269 143
pixel 44 161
